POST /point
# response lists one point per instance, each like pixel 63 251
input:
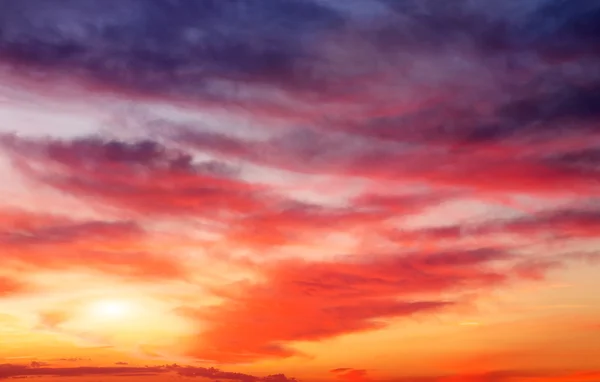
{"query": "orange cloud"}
pixel 9 286
pixel 309 301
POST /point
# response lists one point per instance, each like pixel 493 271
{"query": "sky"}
pixel 300 190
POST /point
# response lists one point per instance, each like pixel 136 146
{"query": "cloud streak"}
pixel 20 371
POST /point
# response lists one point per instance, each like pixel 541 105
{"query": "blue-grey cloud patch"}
pixel 566 111
pixel 194 48
pixel 562 28
pixel 161 45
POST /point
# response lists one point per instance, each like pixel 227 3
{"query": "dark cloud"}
pixel 568 104
pixel 564 113
pixel 167 46
pixel 12 371
pixel 198 49
pixel 508 376
pixel 564 28
pixel 22 371
pixel 124 156
pixel 559 28
pixel 588 158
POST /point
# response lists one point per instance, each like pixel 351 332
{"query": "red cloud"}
pixel 33 241
pixel 300 301
pixel 351 375
pixel 148 178
pixel 143 177
pixel 298 222
pixel 491 173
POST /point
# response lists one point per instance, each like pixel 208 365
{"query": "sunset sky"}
pixel 300 190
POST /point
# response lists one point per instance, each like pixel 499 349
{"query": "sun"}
pixel 110 309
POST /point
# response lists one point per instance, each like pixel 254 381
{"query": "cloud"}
pixel 310 301
pixel 20 371
pixel 510 376
pixel 250 42
pixel 9 286
pixel 567 224
pixel 12 371
pixel 126 175
pixel 33 241
pixel 73 359
pixel 149 178
pixel 281 59
pixel 436 161
pixel 167 47
pixel 38 364
pixel 574 31
pixel 296 222
pixel 351 375
pixel 503 129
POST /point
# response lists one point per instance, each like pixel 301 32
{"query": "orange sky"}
pixel 421 218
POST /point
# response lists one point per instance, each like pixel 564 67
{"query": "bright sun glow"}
pixel 111 309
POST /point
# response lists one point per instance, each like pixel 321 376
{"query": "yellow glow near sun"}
pixel 126 322
pixel 111 309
